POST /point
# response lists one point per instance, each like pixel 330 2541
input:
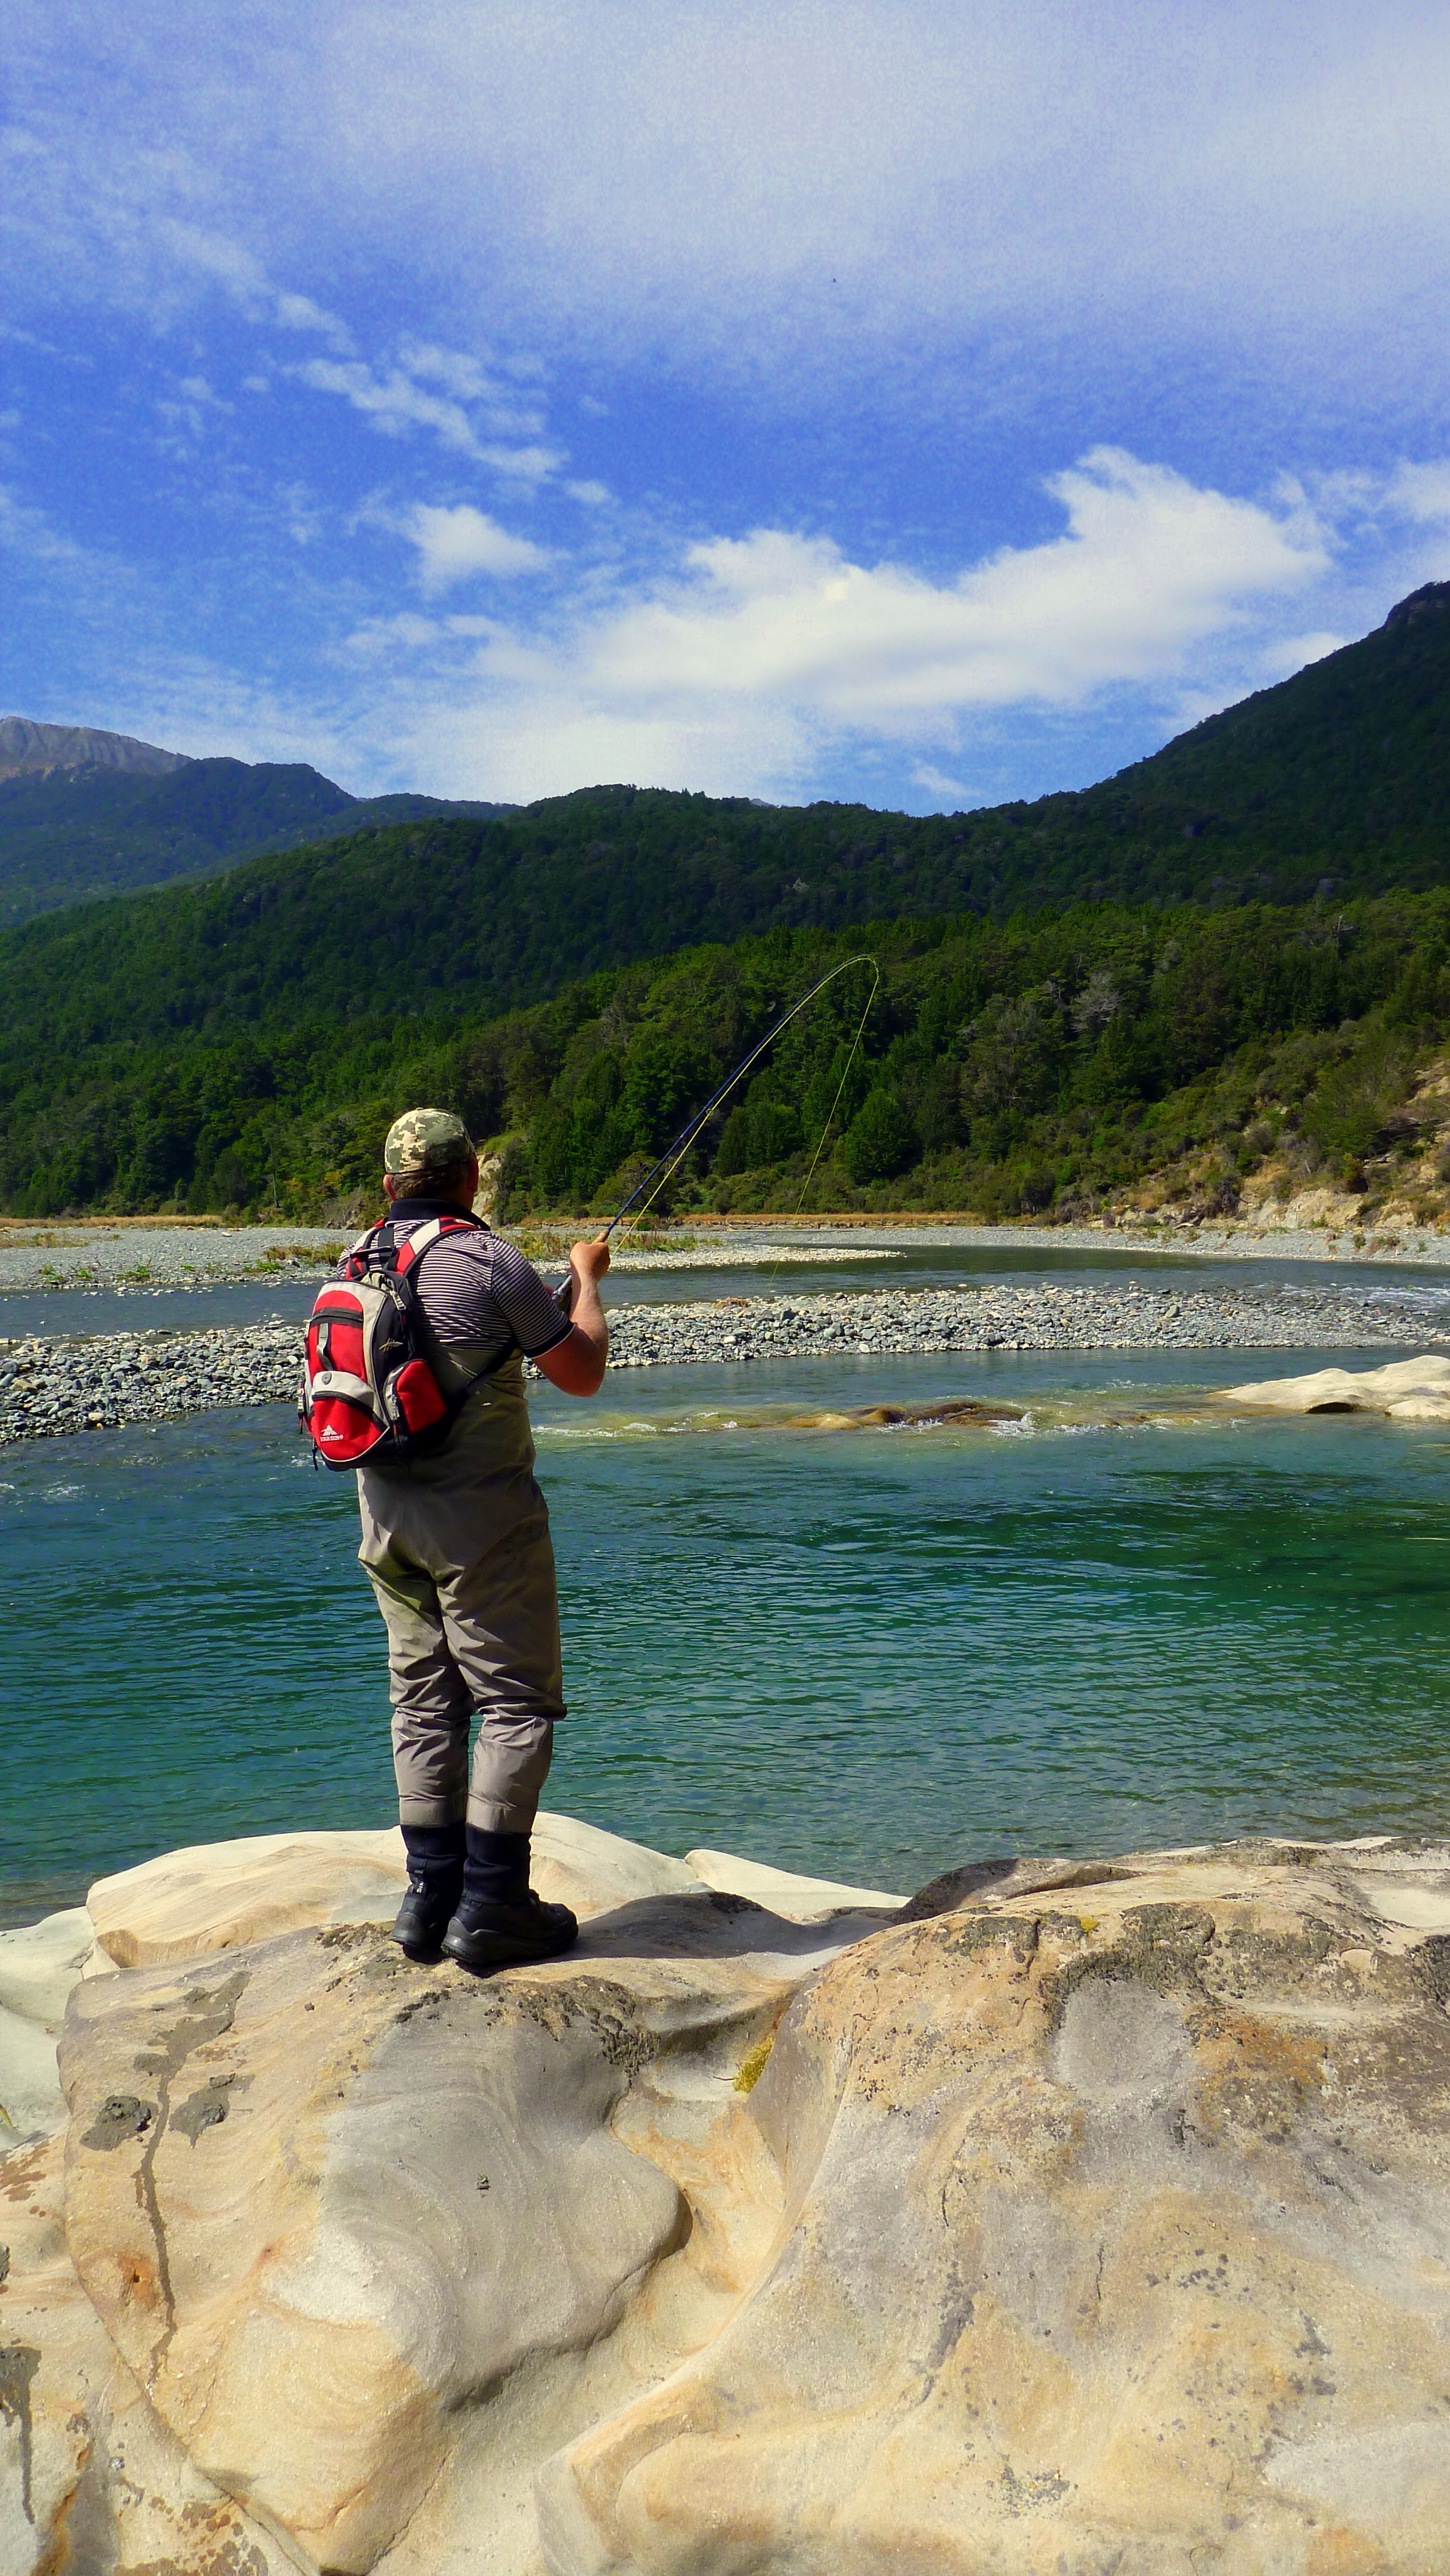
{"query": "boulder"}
pixel 1115 2234
pixel 1416 1390
pixel 1078 2217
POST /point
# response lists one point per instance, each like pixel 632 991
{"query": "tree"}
pixel 880 1140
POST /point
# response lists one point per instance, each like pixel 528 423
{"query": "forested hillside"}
pixel 1338 779
pixel 247 1039
pixel 95 827
pixel 1043 1065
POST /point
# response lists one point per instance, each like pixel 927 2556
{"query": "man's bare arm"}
pixel 576 1366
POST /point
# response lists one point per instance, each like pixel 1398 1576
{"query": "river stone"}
pixel 1415 1390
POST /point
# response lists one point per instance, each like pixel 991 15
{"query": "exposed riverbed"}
pixel 54 1385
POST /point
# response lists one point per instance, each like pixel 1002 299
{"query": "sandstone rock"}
pixel 1416 1390
pixel 1085 2219
pixel 90 2480
pixel 579 1865
pixel 784 1890
pixel 1115 2236
pixel 220 1896
pixel 330 2206
pixel 39 1964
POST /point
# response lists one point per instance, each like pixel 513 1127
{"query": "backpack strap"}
pixel 400 1270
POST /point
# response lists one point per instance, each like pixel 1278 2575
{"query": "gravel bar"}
pixel 54 1387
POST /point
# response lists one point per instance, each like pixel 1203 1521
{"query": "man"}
pixel 457 1549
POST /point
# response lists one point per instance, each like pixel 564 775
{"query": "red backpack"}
pixel 375 1385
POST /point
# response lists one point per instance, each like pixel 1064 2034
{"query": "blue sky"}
pixel 925 404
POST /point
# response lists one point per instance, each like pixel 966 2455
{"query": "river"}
pixel 865 1653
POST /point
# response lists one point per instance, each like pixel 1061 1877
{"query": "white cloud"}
pixel 1150 566
pixel 454 545
pixel 741 671
pixel 593 495
pixel 936 783
pixel 396 401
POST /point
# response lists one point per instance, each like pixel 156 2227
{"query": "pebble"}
pixel 51 1387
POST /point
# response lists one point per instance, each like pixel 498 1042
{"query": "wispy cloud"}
pixel 935 782
pixel 453 545
pixel 399 400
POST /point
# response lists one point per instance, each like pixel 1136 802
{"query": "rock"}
pixel 333 2208
pixel 1416 1390
pixel 90 2480
pixel 39 1964
pixel 579 1865
pixel 1154 2273
pixel 804 1900
pixel 220 1896
pixel 1080 2216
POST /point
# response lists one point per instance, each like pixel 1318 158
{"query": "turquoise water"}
pixel 864 1653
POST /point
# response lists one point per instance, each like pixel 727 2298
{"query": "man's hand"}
pixel 576 1366
pixel 589 1261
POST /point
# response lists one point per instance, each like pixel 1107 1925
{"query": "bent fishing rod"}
pixel 675 1152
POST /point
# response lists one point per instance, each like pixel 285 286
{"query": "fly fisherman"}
pixel 457 1549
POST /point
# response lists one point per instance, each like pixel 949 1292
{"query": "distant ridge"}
pixel 31 750
pixel 85 813
pixel 1333 783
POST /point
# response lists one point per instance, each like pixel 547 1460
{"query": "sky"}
pixel 920 405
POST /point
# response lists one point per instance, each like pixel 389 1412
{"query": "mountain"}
pixel 33 750
pixel 304 974
pixel 84 813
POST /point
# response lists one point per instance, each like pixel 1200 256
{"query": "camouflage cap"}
pixel 426 1140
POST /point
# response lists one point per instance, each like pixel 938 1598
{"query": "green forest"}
pixel 1190 971
pixel 1043 1065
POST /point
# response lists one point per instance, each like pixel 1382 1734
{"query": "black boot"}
pixel 500 1923
pixel 435 1884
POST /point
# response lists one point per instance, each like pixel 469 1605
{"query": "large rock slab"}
pixel 1416 1390
pixel 331 2206
pixel 1079 2217
pixel 1115 2236
pixel 222 1896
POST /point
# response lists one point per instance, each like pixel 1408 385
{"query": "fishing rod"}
pixel 675 1152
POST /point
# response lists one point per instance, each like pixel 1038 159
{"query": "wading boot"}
pixel 500 1923
pixel 435 1887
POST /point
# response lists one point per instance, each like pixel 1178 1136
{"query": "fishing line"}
pixel 674 1154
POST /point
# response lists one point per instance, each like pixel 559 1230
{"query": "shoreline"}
pixel 53 1387
pixel 157 1256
